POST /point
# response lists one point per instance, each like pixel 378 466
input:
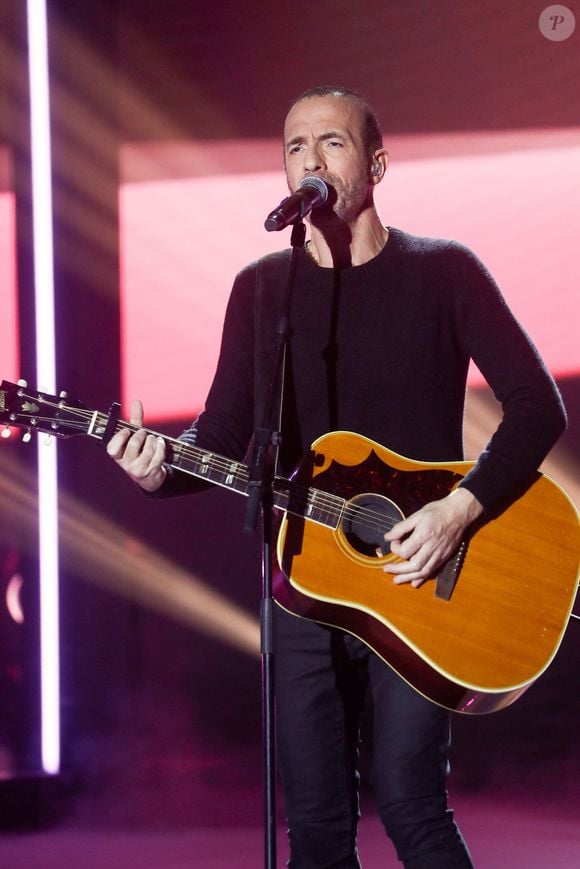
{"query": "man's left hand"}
pixel 427 538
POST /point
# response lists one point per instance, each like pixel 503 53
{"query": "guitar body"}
pixel 505 617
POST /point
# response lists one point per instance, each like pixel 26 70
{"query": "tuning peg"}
pixel 26 437
pixel 5 433
pixel 22 382
pixel 63 394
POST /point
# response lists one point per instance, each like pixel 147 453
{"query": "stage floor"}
pixel 502 834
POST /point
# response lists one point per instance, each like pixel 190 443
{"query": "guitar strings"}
pixel 333 505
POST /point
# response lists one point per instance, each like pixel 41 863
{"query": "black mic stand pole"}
pixel 261 498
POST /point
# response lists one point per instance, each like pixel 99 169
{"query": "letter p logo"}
pixel 557 23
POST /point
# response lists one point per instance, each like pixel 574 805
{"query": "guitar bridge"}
pixel 449 573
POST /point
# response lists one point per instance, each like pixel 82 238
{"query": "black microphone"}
pixel 312 193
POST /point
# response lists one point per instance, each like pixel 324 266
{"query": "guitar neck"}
pixel 61 417
pixel 183 456
pixel 312 504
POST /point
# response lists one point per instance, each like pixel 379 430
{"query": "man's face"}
pixel 323 136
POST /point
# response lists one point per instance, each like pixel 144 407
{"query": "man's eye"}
pixel 335 143
pixel 294 149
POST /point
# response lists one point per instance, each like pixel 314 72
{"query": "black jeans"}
pixel 322 676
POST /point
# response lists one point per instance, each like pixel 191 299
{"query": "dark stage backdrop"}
pixel 168 98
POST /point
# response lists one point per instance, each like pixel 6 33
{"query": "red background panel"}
pixel 513 198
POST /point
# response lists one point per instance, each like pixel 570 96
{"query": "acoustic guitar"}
pixel 474 638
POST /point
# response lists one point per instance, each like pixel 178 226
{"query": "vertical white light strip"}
pixel 45 379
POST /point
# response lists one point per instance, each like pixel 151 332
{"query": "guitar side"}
pixel 506 617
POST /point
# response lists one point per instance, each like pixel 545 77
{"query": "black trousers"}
pixel 322 676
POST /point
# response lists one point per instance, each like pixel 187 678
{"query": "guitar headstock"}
pixel 40 411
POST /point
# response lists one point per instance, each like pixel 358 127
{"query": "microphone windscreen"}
pixel 318 184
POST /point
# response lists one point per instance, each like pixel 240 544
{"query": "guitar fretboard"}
pixel 293 497
pixel 209 466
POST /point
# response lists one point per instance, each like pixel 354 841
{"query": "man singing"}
pixel 383 326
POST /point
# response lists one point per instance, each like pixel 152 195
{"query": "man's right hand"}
pixel 140 455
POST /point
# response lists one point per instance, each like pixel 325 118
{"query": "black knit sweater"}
pixel 383 349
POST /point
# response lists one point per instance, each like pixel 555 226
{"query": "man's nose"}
pixel 313 158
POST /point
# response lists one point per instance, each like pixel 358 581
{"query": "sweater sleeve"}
pixel 225 426
pixel 533 413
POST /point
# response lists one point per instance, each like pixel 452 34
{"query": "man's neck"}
pixel 338 244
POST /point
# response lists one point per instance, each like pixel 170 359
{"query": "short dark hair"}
pixel 373 137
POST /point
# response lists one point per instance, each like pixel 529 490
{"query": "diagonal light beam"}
pixel 96 550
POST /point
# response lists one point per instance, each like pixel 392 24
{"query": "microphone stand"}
pixel 261 498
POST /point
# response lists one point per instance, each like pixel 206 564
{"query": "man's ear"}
pixel 379 163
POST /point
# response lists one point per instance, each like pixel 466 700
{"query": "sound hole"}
pixel 366 520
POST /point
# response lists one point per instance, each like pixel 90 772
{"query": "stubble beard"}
pixel 349 201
